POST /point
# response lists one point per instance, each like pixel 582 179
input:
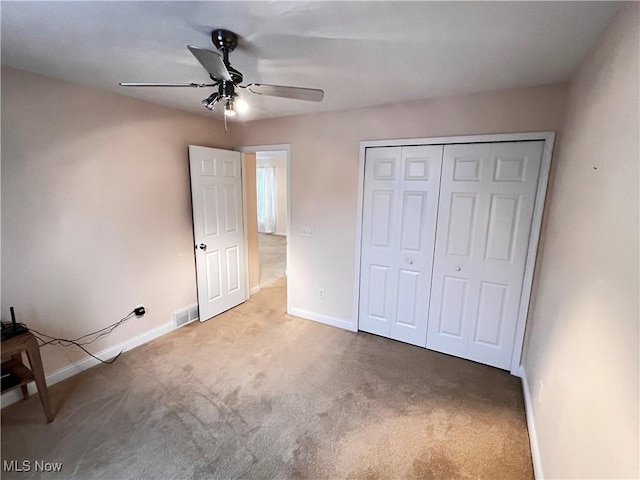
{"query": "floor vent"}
pixel 185 315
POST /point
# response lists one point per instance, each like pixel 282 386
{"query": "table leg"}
pixel 25 390
pixel 33 354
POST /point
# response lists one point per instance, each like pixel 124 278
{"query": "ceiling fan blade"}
pixel 194 85
pixel 298 93
pixel 212 62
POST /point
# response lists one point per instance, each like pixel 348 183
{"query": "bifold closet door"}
pixel 398 230
pixel 487 196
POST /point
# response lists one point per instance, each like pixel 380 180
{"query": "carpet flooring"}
pixel 272 250
pixel 256 393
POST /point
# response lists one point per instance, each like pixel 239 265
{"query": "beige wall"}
pixel 324 173
pixel 96 209
pixel 253 255
pixel 583 327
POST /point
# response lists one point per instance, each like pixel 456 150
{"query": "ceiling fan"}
pixel 228 79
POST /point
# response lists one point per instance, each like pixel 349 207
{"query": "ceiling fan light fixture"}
pixel 241 106
pixel 210 102
pixel 227 79
pixel 229 111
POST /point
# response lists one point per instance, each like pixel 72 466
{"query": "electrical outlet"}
pixel 321 293
pixel 139 310
pixel 307 232
pixel 540 392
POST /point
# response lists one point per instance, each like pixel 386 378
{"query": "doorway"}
pixel 267 190
pixel 271 210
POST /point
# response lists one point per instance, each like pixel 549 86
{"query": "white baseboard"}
pixel 254 290
pixel 327 320
pixel 531 426
pixel 88 362
pixel 282 234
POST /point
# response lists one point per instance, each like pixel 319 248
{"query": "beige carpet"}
pixel 255 393
pixel 273 257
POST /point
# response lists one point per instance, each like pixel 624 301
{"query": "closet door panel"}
pixel 379 240
pixel 399 217
pixel 487 195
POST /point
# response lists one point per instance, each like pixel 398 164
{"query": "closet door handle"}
pixel 410 262
pixel 458 269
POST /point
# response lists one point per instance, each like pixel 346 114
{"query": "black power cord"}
pixel 80 342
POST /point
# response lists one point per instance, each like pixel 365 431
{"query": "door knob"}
pixel 202 246
pixel 410 262
pixel 458 269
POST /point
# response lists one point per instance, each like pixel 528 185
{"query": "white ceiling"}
pixel 359 53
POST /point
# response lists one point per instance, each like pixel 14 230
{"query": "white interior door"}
pixel 216 192
pixel 398 230
pixel 487 196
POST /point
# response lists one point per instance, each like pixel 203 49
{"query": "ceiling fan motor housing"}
pixel 226 41
pixel 226 89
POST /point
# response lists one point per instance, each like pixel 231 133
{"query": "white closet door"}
pixel 398 230
pixel 487 196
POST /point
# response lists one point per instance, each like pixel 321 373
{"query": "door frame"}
pixel 536 223
pixel 266 148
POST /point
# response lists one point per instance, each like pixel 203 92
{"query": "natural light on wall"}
pixel 266 199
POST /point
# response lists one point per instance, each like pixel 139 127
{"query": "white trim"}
pixel 548 138
pixel 88 362
pixel 254 290
pixel 359 213
pixel 326 319
pixel 286 148
pixel 530 263
pixel 14 396
pixel 243 176
pixel 496 137
pixel 264 148
pixel 531 426
pixel 282 234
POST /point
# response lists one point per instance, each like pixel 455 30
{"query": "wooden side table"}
pixel 12 359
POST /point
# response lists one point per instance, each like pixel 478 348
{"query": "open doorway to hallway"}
pixel 267 189
pixel 272 250
pixel 271 215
